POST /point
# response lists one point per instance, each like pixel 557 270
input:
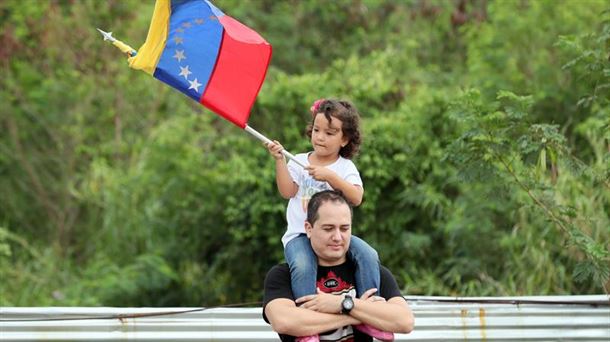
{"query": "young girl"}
pixel 335 136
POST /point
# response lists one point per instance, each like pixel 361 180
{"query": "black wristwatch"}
pixel 347 304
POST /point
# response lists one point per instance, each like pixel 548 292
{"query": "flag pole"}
pixel 266 140
pixel 132 52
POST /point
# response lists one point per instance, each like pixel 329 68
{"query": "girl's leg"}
pixel 303 266
pixel 367 277
pixel 367 265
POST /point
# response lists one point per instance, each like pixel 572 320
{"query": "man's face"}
pixel 330 234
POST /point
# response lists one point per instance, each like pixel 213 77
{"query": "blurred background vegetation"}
pixel 486 158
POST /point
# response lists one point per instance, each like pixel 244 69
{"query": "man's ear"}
pixel 308 228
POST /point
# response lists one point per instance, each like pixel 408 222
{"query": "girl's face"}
pixel 327 137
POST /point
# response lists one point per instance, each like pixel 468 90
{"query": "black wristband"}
pixel 347 304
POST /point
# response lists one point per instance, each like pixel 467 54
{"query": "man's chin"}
pixel 332 259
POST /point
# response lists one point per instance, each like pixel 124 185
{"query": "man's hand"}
pixel 368 296
pixel 321 302
pixel 327 303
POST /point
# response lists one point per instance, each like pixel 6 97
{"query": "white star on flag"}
pixel 179 55
pixel 195 85
pixel 178 40
pixel 185 72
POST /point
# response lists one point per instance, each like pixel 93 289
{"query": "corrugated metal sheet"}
pixel 567 318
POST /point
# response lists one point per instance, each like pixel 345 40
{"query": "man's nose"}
pixel 337 235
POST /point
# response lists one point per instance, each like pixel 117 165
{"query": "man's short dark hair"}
pixel 322 197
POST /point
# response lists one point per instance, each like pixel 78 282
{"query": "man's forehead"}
pixel 336 213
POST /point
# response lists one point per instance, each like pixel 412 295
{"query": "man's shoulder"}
pixel 280 266
pixel 386 276
pixel 279 270
pixel 277 285
pixel 389 286
pixel 385 270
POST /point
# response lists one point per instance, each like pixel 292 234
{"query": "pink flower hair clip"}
pixel 315 106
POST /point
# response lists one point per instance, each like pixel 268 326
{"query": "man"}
pixel 333 312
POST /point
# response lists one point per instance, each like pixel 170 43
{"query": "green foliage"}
pixel 499 143
pixel 485 158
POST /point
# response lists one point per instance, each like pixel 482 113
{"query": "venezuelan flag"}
pixel 209 56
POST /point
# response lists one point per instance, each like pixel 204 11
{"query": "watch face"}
pixel 348 304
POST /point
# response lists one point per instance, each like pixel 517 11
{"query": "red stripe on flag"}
pixel 239 73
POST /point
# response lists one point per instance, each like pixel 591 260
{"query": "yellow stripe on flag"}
pixel 150 52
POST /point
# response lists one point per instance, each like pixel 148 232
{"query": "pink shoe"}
pixel 312 338
pixel 374 332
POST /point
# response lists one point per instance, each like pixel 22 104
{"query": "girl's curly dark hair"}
pixel 349 116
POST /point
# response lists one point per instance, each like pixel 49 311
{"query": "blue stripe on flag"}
pixel 192 47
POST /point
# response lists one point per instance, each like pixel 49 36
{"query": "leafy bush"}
pixel 485 156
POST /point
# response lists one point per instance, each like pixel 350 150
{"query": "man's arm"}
pixel 286 318
pixel 393 315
